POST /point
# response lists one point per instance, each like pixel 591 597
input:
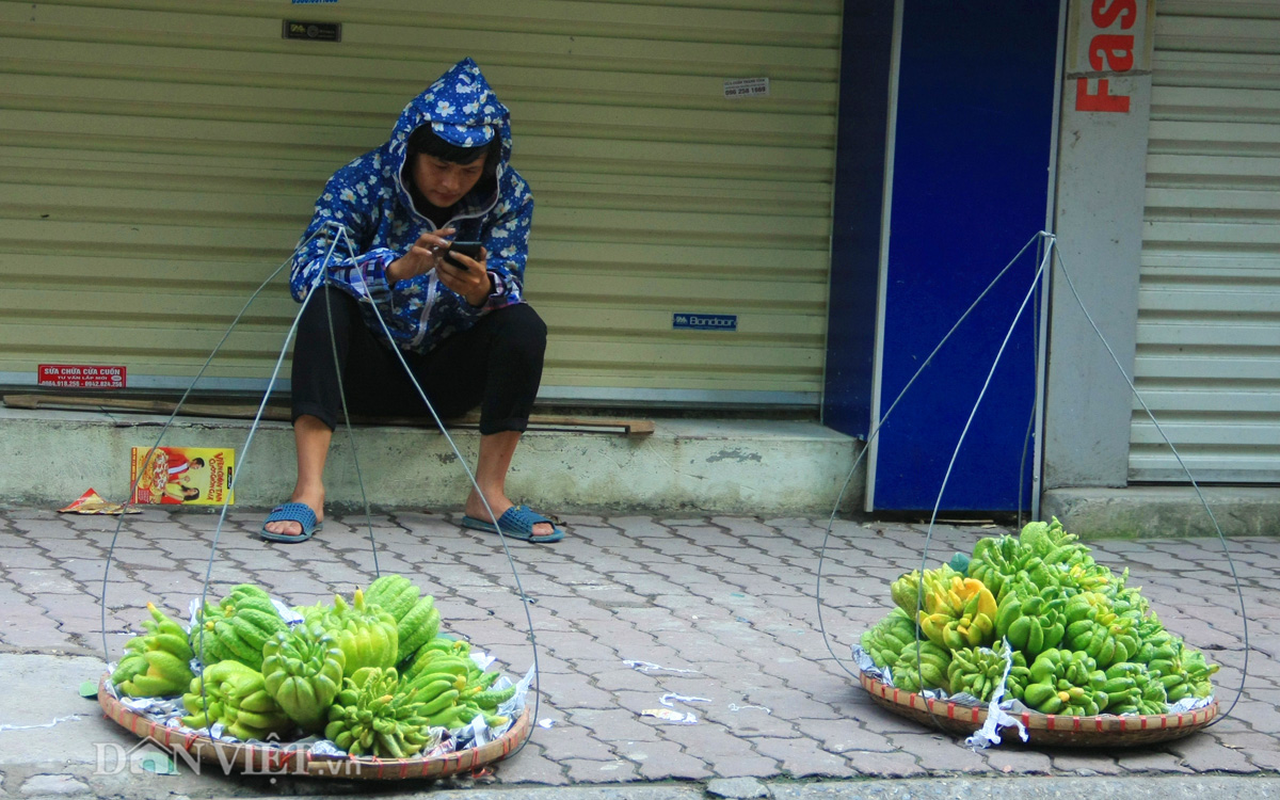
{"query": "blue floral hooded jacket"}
pixel 368 199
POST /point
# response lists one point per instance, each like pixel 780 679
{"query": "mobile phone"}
pixel 469 249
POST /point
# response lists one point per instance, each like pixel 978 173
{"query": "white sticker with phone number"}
pixel 746 87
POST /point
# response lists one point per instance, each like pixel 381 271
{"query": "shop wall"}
pixel 1208 329
pixel 158 161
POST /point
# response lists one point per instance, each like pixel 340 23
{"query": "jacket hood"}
pixel 461 108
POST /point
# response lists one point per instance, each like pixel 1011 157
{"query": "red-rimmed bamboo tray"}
pixel 1106 730
pixel 283 760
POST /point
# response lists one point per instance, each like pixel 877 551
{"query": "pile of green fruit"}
pixel 1036 611
pixel 373 675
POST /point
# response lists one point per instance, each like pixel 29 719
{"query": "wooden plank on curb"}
pixel 279 413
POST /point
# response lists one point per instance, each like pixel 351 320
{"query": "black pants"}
pixel 496 365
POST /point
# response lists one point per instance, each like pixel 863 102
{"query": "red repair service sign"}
pixel 81 376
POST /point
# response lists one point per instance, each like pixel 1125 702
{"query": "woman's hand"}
pixel 467 276
pixel 422 257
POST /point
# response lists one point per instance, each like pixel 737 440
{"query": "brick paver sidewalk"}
pixel 628 610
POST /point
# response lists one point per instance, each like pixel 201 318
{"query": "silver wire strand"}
pixel 928 537
pixel 106 650
pixel 341 233
pixel 875 431
pixel 1226 550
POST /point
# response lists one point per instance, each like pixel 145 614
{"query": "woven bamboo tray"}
pixel 268 760
pixel 1106 730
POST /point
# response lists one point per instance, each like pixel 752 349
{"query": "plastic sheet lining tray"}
pixel 270 760
pixel 1106 730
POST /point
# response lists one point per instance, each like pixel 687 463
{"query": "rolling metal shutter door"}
pixel 1208 359
pixel 159 158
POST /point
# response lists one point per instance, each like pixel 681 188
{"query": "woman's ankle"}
pixel 312 498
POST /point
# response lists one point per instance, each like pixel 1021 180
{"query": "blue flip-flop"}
pixel 300 513
pixel 517 522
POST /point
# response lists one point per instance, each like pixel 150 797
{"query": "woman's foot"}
pixel 292 528
pixel 475 509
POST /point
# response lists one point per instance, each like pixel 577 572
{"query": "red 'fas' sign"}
pixel 1108 52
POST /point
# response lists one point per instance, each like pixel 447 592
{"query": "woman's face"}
pixel 444 183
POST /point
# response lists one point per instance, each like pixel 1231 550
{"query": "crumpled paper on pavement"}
pixel 93 503
pixel 671 715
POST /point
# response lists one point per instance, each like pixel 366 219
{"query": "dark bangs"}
pixel 424 141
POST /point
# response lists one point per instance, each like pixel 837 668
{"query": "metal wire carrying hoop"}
pixel 335 235
pixel 1051 252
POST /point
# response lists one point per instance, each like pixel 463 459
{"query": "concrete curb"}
pixel 770 467
pixel 1145 512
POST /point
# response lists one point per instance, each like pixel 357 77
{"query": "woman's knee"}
pixel 328 306
pixel 519 328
